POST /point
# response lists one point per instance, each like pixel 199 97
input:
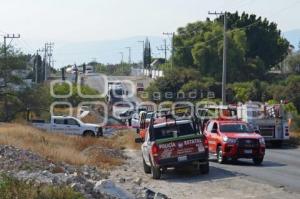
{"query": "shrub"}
pixel 13 188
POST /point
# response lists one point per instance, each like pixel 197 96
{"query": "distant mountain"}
pixel 109 51
pixel 105 51
pixel 293 36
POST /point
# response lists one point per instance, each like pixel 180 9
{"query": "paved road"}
pixel 281 168
pixel 223 181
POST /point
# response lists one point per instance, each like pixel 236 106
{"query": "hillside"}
pixel 104 51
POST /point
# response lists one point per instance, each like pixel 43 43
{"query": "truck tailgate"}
pixel 181 149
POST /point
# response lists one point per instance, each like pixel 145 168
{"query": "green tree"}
pixel 254 46
pixel 178 82
pixel 37 99
pixel 253 90
pixel 10 82
pixel 291 91
pixel 264 39
pixel 147 54
pixel 287 90
pixel 293 62
pixel 200 45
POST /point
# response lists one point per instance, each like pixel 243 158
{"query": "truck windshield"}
pixel 149 115
pixel 172 131
pixel 235 128
pixel 119 91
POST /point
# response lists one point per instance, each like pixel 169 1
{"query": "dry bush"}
pixel 13 188
pixel 90 118
pixel 126 139
pixel 69 149
pixel 59 147
pixel 295 138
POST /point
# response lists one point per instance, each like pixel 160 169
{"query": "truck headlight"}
pixel 262 141
pixel 229 140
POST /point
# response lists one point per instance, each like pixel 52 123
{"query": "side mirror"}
pixel 257 131
pixel 214 131
pixel 139 140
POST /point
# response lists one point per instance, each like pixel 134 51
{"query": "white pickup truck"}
pixel 69 125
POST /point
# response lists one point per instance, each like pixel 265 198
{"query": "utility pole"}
pixel 5 75
pixel 44 61
pixel 173 47
pixel 224 76
pixel 36 65
pixel 122 60
pixel 76 73
pixel 143 42
pixel 165 48
pixel 122 57
pixel 63 71
pixel 129 54
pixel 5 37
pixel 48 53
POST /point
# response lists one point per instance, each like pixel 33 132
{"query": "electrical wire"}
pixel 243 28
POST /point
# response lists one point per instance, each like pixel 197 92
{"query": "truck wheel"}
pixel 234 160
pixel 156 173
pixel 221 159
pixel 147 169
pixel 204 168
pixel 258 161
pixel 88 134
pixel 276 143
pixel 101 133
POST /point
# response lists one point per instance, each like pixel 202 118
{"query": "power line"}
pixel 242 28
pixel 164 48
pixel 48 49
pixel 173 47
pixel 29 47
pixel 9 36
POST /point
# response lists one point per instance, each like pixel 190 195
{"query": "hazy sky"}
pixel 39 21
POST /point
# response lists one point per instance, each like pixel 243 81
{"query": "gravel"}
pixel 90 181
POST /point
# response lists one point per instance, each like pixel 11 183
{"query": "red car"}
pixel 233 139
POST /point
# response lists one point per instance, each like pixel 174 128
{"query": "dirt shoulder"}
pixel 295 138
pixel 188 184
pixel 81 165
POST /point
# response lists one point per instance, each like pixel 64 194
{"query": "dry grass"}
pixel 90 118
pixel 126 140
pixel 295 138
pixel 64 148
pixel 13 188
